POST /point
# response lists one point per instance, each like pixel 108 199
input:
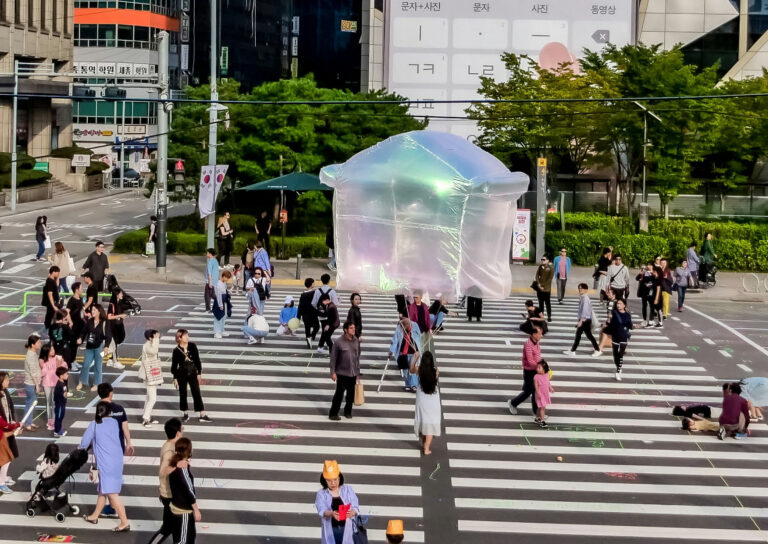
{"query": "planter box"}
pixel 30 194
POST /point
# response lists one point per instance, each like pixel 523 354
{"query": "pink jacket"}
pixel 531 354
pixel 48 370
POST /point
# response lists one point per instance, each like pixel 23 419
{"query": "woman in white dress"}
pixel 427 418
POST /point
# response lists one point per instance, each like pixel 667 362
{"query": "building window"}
pixel 55 26
pixel 17 13
pixel 43 15
pixel 106 36
pixel 30 12
pixel 109 113
pixel 65 18
pixel 135 37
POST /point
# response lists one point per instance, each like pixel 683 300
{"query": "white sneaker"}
pixel 597 353
pixel 118 366
pixel 252 340
pixel 217 336
pixel 75 367
pixel 512 407
pixel 643 323
pixel 109 362
pixel 261 340
pixel 569 353
pixel 225 334
pixel 618 376
pixel 321 350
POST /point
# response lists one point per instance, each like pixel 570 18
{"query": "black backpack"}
pixel 321 308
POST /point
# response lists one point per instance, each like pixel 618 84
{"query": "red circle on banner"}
pixel 207 179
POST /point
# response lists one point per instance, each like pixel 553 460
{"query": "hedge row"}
pixel 191 243
pixel 585 248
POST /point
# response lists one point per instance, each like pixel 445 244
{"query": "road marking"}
pixel 696 331
pixel 725 353
pixel 709 341
pixel 140 215
pixel 685 324
pixel 17 268
pixel 732 330
pixel 26 258
pixel 744 367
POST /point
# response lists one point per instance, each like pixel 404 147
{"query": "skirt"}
pixel 427 417
pixel 6 453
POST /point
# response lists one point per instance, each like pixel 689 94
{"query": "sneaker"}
pixel 70 394
pixel 414 389
pixel 334 418
pixel 322 351
pixel 60 435
pixel 205 419
pixel 119 366
pixel 597 353
pixel 252 340
pixel 537 420
pixel 261 340
pixel 147 424
pixel 740 436
pixel 225 334
pixel 348 416
pixel 512 407
pixel 309 342
pixel 543 424
pixel 569 353
pixel 679 309
pixel 407 389
pixel 2 264
pixel 110 363
pixel 75 367
pixel 185 418
pixel 5 490
pixel 721 433
pixel 618 376
pixel 549 320
pixel 643 323
pixel 217 336
pixel 9 481
pixel 659 324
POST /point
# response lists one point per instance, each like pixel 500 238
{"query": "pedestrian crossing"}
pixel 613 466
pixel 257 467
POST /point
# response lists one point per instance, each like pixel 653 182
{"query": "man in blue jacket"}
pixel 562 271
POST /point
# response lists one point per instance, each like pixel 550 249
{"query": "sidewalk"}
pixel 187 269
pixel 74 198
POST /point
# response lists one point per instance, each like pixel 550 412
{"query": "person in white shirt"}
pixel 618 277
pixel 584 325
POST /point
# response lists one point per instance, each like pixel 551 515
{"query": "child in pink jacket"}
pixel 49 362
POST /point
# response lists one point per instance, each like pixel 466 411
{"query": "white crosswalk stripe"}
pixel 607 441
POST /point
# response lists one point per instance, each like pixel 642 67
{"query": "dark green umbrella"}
pixel 295 181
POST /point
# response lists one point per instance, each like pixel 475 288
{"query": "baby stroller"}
pixel 709 278
pixel 48 496
pixel 129 305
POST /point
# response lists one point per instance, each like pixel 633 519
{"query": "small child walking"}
pixel 543 389
pixel 60 401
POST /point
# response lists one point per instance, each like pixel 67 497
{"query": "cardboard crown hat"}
pixel 330 470
pixel 395 527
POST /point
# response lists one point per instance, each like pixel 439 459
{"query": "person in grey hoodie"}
pixel 682 277
pixel 584 325
pixel 693 263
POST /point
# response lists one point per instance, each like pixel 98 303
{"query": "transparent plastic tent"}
pixel 424 211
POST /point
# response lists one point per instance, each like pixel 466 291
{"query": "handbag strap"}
pixel 617 273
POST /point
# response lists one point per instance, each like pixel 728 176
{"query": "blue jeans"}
pixel 247 273
pixel 63 284
pixel 40 248
pixel 29 390
pixel 437 320
pixel 91 357
pixel 253 332
pixel 218 325
pixel 338 534
pixel 411 380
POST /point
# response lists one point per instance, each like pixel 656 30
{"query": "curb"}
pixel 11 215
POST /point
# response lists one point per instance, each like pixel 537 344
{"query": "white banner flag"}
pixel 207 200
pixel 221 171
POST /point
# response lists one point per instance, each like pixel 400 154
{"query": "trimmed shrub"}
pixel 25 178
pixel 591 221
pixel 24 162
pixel 70 152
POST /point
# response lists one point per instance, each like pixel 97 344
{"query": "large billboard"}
pixel 439 50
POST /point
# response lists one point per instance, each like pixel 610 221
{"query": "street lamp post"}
pixel 646 143
pixel 213 114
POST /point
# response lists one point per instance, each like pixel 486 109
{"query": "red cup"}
pixel 343 509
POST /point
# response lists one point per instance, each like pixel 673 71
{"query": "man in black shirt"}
pixel 51 296
pixel 263 229
pixel 97 264
pixel 91 293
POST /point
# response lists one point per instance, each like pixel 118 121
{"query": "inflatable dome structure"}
pixel 427 211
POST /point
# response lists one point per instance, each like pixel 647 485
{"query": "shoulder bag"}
pixel 360 533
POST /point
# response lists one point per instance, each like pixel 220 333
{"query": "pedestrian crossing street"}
pixel 613 466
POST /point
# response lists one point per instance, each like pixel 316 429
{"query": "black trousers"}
pixel 194 386
pixel 402 307
pixel 263 237
pixel 225 249
pixel 184 529
pixel 311 326
pixel 50 312
pixel 344 384
pixel 474 307
pixel 618 354
pixel 208 295
pixel 529 390
pixel 166 529
pixel 325 337
pixel 586 328
pixel 644 302
pixel 544 299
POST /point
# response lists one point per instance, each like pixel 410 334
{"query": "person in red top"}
pixel 418 312
pixel 531 357
pixel 734 419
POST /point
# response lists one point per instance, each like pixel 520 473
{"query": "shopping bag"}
pixel 47 242
pixel 149 249
pixel 71 264
pixel 359 394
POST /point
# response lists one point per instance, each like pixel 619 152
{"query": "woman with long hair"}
pixel 96 335
pixel 188 370
pixel 183 500
pixel 115 316
pixel 620 328
pixel 32 378
pixel 8 426
pixel 427 417
pixel 103 434
pixel 41 233
pixel 151 373
pixel 224 236
pixel 61 259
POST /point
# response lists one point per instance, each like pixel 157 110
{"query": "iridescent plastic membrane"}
pixel 427 211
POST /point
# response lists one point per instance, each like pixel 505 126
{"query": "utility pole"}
pixel 162 151
pixel 643 220
pixel 541 205
pixel 14 155
pixel 122 152
pixel 213 113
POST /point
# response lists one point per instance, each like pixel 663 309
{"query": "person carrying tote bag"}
pixel 151 373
